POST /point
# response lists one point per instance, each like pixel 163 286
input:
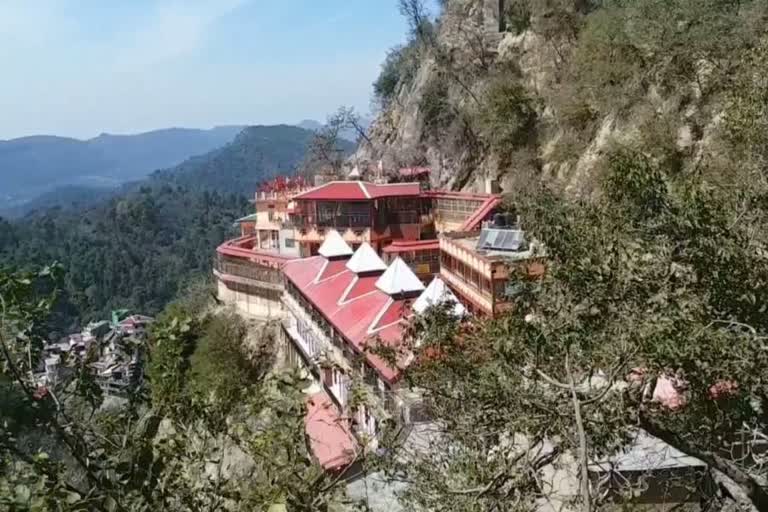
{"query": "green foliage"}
pixel 172 343
pixel 517 16
pixel 625 46
pixel 175 452
pixel 435 107
pixel 507 116
pixel 397 71
pixel 220 367
pixel 136 251
pixel 661 272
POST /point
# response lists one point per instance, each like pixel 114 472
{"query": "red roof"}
pixel 353 305
pixel 474 221
pixel 329 435
pixel 359 191
pixel 412 245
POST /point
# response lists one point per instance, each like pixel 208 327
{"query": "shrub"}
pixel 507 116
pixel 435 106
pixel 220 366
pixel 398 70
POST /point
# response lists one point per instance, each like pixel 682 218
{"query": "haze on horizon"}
pixel 79 68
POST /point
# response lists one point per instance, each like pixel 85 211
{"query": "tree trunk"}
pixel 586 501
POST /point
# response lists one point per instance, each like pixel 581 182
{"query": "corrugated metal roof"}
pixel 358 191
pixel 329 435
pixel 412 245
pixel 353 305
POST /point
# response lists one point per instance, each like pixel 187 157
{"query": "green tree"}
pixel 163 450
pixel 659 278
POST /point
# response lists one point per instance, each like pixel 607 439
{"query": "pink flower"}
pixel 668 392
pixel 724 388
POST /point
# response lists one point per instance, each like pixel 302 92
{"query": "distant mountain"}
pixel 310 124
pixel 31 166
pixel 257 153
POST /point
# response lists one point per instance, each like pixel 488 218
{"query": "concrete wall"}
pixel 250 305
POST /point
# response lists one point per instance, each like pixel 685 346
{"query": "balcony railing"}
pixel 251 271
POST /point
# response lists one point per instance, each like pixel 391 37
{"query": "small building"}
pixel 482 267
pixel 269 225
pixel 361 212
pixel 461 211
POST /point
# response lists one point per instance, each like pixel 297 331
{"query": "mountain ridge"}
pixel 36 164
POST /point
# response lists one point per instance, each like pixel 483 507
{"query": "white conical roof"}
pixel 365 259
pixel 399 278
pixel 354 173
pixel 438 293
pixel 334 246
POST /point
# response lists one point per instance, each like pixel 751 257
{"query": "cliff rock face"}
pixel 543 90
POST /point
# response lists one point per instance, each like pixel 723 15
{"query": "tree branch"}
pixel 751 488
pixel 586 504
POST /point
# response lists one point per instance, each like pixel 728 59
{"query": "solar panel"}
pixel 501 239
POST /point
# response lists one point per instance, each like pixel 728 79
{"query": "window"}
pixel 499 287
pixel 290 243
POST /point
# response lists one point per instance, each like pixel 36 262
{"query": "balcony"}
pixel 339 222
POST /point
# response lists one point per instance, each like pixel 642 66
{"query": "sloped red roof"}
pixel 412 245
pixel 358 191
pixel 354 306
pixel 330 437
pixel 474 221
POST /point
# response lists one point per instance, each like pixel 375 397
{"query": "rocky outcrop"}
pixel 461 151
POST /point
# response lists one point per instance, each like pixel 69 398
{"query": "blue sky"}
pixel 82 67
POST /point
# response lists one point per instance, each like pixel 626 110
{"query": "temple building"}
pixel 360 212
pixel 433 232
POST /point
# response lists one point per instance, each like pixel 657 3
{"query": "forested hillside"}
pixel 138 248
pixel 258 152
